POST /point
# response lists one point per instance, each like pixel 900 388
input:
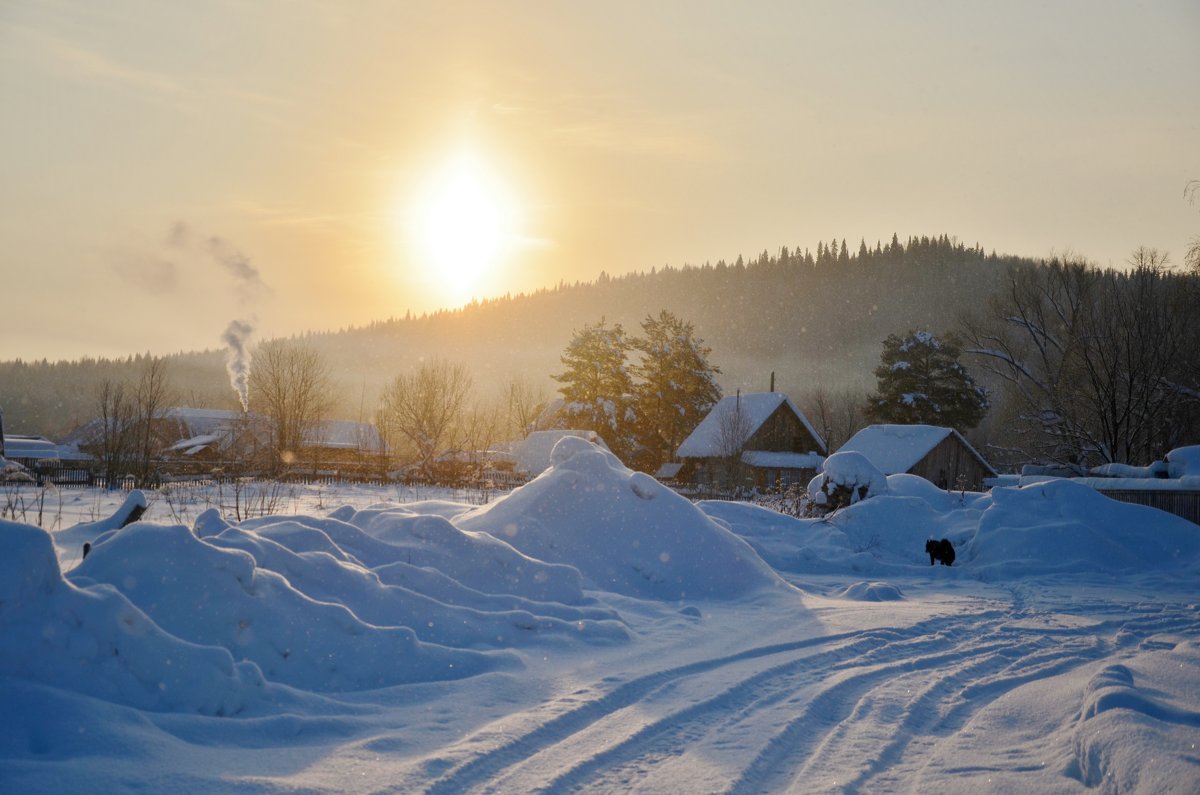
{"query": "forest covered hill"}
pixel 814 319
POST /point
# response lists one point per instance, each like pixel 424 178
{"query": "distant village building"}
pixel 760 439
pixel 343 446
pixel 45 460
pixel 940 455
pixel 191 441
pixel 210 437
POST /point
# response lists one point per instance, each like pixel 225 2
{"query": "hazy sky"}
pixel 167 167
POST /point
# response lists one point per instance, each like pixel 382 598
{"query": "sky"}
pixel 167 168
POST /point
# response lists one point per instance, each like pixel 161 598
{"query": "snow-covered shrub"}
pixel 792 500
pixel 1184 461
pixel 846 478
pixel 1157 469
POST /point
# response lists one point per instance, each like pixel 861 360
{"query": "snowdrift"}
pixel 1053 526
pixel 96 642
pixel 214 596
pixel 1059 525
pixel 622 530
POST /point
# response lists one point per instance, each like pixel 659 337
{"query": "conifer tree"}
pixel 920 381
pixel 596 384
pixel 676 385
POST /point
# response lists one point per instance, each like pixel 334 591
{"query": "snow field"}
pixel 594 632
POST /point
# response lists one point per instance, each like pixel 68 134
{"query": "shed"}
pixel 940 455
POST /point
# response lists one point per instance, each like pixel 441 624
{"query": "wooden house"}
pixel 342 447
pixel 940 455
pixel 759 440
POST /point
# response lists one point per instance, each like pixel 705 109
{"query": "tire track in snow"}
pixel 874 757
pixel 930 678
pixel 488 766
pixel 749 698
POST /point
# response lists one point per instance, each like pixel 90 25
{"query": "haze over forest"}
pixel 816 318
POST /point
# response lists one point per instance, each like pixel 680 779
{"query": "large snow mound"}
pixel 624 531
pixel 94 641
pixel 1059 525
pixel 214 596
pixel 1054 526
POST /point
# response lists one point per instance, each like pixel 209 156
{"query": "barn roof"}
pixel 898 448
pixel 757 407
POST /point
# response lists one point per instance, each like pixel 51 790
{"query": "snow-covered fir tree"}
pixel 920 381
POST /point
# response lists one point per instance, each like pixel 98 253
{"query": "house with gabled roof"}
pixel 940 455
pixel 760 439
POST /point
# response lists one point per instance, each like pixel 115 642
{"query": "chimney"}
pixel 772 389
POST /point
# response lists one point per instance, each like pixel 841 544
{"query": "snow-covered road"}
pixel 893 707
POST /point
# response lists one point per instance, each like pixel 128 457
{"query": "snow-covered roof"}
pixel 765 459
pixel 40 448
pixel 668 470
pixel 202 439
pixel 203 422
pixel 757 407
pixel 898 448
pixel 533 454
pixel 29 447
pixel 344 434
pixel 193 445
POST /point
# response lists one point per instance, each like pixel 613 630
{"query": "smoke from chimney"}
pixel 236 339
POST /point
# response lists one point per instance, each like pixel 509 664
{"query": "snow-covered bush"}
pixel 1184 461
pixel 846 478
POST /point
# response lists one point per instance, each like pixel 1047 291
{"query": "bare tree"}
pixel 152 396
pixel 525 403
pixel 290 385
pixel 425 407
pixel 837 415
pixel 1101 363
pixel 1191 259
pixel 480 428
pixel 733 432
pixel 116 412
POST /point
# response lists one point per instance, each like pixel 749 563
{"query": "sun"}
pixel 461 226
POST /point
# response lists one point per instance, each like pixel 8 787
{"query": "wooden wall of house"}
pixel 783 432
pixel 945 464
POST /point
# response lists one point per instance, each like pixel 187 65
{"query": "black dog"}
pixel 940 550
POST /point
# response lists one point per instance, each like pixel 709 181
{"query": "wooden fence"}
pixel 1184 504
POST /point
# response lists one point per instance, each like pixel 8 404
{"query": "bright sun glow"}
pixel 461 227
